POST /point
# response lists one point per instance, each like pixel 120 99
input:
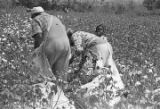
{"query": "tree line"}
pixel 76 5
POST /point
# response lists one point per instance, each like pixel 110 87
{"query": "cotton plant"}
pixel 50 96
pixel 102 85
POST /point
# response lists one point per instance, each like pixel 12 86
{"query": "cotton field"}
pixel 135 41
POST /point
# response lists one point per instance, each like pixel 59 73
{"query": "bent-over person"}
pixel 99 48
pixel 51 41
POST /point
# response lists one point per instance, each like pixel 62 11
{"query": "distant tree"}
pixel 131 5
pixel 30 3
pixel 157 4
pixel 7 3
pixel 149 4
pixel 47 4
pixel 119 8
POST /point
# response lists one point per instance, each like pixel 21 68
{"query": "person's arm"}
pixel 79 50
pixel 83 60
pixel 36 33
pixel 77 39
pixel 37 40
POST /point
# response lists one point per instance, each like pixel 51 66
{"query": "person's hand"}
pixel 28 10
pixel 78 52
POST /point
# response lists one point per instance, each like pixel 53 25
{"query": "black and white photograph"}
pixel 79 54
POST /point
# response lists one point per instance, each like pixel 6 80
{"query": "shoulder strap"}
pixel 48 28
pixel 50 23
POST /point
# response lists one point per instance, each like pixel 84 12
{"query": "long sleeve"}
pixel 77 42
pixel 35 28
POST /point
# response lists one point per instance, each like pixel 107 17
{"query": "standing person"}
pixel 100 31
pixel 99 48
pixel 50 42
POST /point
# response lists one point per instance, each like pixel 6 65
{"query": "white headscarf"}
pixel 36 10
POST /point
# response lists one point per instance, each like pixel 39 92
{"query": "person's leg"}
pixel 61 65
pixel 40 60
pixel 52 58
